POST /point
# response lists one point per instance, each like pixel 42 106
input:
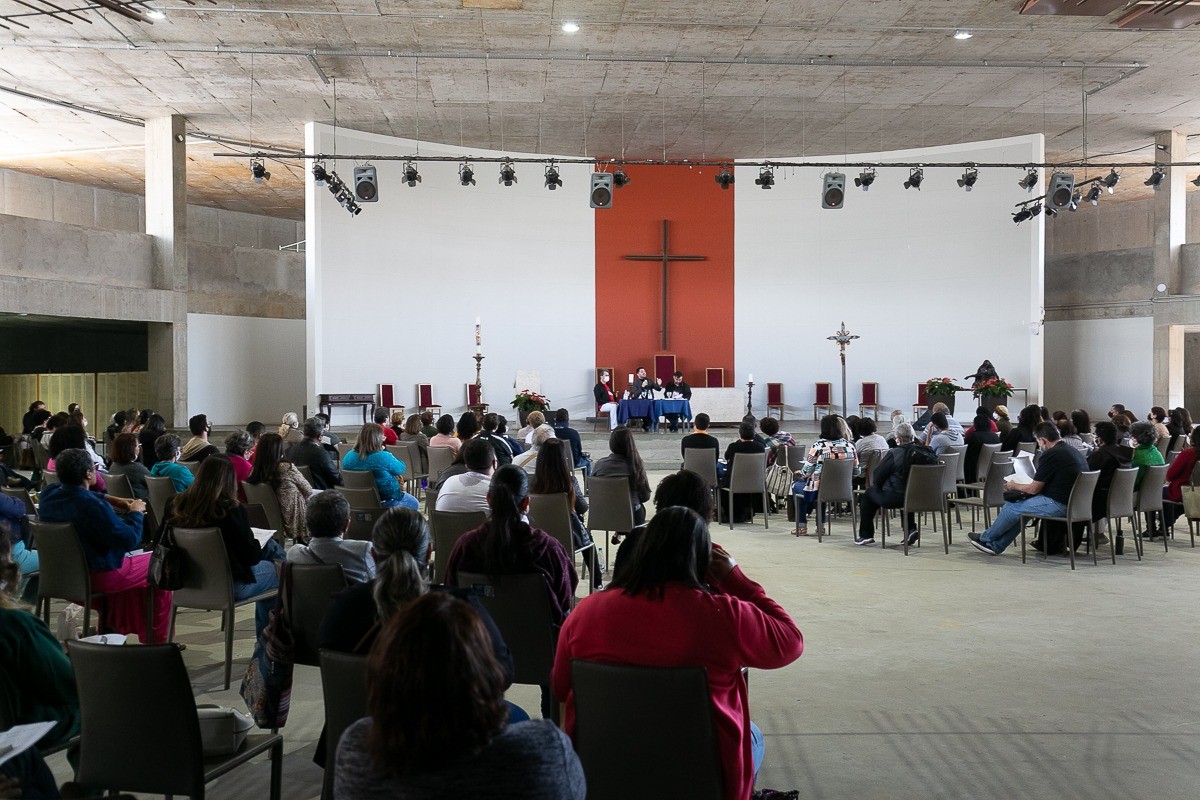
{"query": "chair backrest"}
pixel 362 522
pixel 868 460
pixel 610 507
pixel 1079 506
pixel 1150 490
pixel 714 378
pixel 983 461
pixel 399 451
pixel 447 527
pixel 960 465
pixel 161 490
pixel 63 568
pixel 1120 493
pixel 774 394
pixel 1163 444
pixel 824 394
pixel 922 394
pixel 656 722
pixel 439 459
pixel 703 462
pixel 122 748
pixel 256 515
pixel 870 394
pixel 342 449
pixel 923 492
pixel 359 498
pixel 951 462
pixel 306 472
pixel 993 487
pixel 49 476
pixel 520 606
pixel 411 458
pixel 191 466
pixel 387 395
pixel 118 485
pixel 207 578
pixel 263 495
pixel 425 394
pixel 748 473
pixel 312 585
pixel 795 456
pixel 344 690
pixel 41 456
pixel 358 479
pixel 1026 447
pixel 837 481
pixel 550 513
pixel 23 496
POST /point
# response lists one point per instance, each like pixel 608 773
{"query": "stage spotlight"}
pixel 725 178
pixel 1037 209
pixel 1051 212
pixel 967 181
pixel 1075 201
pixel 865 178
pixel 411 176
pixel 1030 180
pixel 508 173
pixel 1156 177
pixel 319 174
pixel 1022 215
pixel 258 172
pixel 915 176
pixel 334 184
pixel 766 177
pixel 620 179
pixel 553 181
pixel 1093 195
pixel 1111 180
pixel 466 175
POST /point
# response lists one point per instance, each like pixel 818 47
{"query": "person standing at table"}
pixel 676 387
pixel 605 399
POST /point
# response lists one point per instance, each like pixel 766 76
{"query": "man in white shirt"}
pixel 328 517
pixel 469 491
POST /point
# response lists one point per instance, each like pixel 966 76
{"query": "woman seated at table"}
pixel 368 454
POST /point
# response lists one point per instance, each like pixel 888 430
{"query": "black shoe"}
pixel 913 537
pixel 616 538
pixel 864 542
pixel 980 545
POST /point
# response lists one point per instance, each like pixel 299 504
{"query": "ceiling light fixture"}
pixel 1111 180
pixel 915 176
pixel 725 177
pixel 411 176
pixel 570 26
pixel 766 177
pixel 865 178
pixel 1093 195
pixel 553 181
pixel 967 181
pixel 466 175
pixel 1196 182
pixel 1030 180
pixel 508 173
pixel 1051 212
pixel 962 34
pixel 620 179
pixel 1037 209
pixel 258 172
pixel 319 174
pixel 155 14
pixel 1022 215
pixel 1076 199
pixel 1156 177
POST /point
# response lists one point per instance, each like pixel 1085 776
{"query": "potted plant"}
pixel 528 400
pixel 992 392
pixel 941 390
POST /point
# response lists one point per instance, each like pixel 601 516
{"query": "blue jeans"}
pixel 406 500
pixel 1007 525
pixel 265 577
pixel 758 748
pixel 805 501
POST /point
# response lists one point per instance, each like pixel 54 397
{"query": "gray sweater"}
pixel 530 760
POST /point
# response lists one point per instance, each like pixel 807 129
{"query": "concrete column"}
pixel 166 221
pixel 1169 222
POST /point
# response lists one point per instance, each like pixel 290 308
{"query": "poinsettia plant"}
pixel 993 387
pixel 942 386
pixel 528 400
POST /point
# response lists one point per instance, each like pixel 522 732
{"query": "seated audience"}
pixel 979 435
pixel 124 454
pixel 437 725
pixel 236 446
pixel 1107 458
pixel 289 428
pixel 15 542
pixel 1070 437
pixel 528 460
pixel 52 424
pixel 499 444
pixel 427 426
pixel 563 430
pixel 1122 424
pixel 1144 437
pixel 328 518
pixel 381 419
pixel 411 432
pixel 533 421
pixel 290 488
pixel 106 538
pixel 1178 474
pixel 29 421
pixel 502 430
pixel 1115 409
pixel 775 438
pixel 396 423
pixel 982 411
pixel 1082 423
pixel 368 454
pixel 467 426
pixel 154 427
pixel 468 491
pixel 256 429
pixel 1003 423
pixel 555 476
pixel 211 502
pixel 897 418
pixel 1048 494
pixel 702 439
pixel 455 467
pixel 868 438
pixel 684 602
pixel 684 488
pixel 198 447
pixel 445 434
pixel 1158 418
pixel 889 483
pixel 624 461
pixel 744 505
pixel 832 444
pixel 168 466
pixel 312 454
pixel 1027 421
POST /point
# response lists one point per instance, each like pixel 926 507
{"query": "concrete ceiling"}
pixel 690 100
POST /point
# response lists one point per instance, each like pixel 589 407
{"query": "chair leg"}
pixel 1022 523
pixel 1112 544
pixel 228 646
pixel 150 614
pixel 904 527
pixel 1162 523
pixel 731 511
pixel 277 770
pixel 766 511
pixel 1091 528
pixel 946 533
pixel 1070 542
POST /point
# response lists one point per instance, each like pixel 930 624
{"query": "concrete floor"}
pixel 931 676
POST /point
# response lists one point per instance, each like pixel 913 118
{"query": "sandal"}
pixel 800 531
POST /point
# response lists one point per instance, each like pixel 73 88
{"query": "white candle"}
pixel 631 377
pixel 751 378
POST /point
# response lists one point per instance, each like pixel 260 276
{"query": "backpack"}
pixel 920 455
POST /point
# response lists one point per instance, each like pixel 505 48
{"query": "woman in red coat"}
pixel 683 602
pixel 1179 473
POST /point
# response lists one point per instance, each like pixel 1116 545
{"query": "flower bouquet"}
pixel 528 400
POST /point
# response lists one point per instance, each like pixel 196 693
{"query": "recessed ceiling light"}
pixel 154 13
pixel 570 27
pixel 961 34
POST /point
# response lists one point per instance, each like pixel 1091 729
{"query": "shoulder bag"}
pixel 166 562
pixel 267 687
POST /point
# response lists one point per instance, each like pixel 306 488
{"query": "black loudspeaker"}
pixel 834 193
pixel 602 190
pixel 366 185
pixel 1062 187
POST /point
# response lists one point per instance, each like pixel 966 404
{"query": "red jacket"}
pixel 736 626
pixel 1180 472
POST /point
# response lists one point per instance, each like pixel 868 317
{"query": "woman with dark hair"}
pixel 211 502
pixel 832 444
pixel 467 426
pixel 154 427
pixel 445 434
pixel 1070 437
pixel 289 486
pixel 1082 422
pixel 554 475
pixel 1185 420
pixel 982 411
pixel 775 438
pixel 979 435
pixel 437 725
pixel 124 454
pixel 1029 418
pixel 369 454
pixel 684 488
pixel 507 545
pixel 1179 473
pixel 683 602
pixel 1158 418
pixel 624 461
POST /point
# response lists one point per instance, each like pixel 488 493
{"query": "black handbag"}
pixel 166 563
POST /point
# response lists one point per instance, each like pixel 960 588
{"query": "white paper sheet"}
pixel 263 535
pixel 19 738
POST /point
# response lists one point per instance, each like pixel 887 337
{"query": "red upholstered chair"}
pixel 387 399
pixel 922 403
pixel 473 398
pixel 775 398
pixel 824 399
pixel 870 399
pixel 664 366
pixel 714 378
pixel 425 399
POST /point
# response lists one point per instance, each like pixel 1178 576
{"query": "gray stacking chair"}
pixel 922 494
pixel 1079 509
pixel 1121 506
pixel 344 690
pixel 1150 499
pixel 992 494
pixel 447 527
pixel 837 486
pixel 748 475
pixel 610 509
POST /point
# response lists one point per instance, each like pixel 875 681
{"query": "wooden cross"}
pixel 664 258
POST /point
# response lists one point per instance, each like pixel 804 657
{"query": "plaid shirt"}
pixel 821 450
